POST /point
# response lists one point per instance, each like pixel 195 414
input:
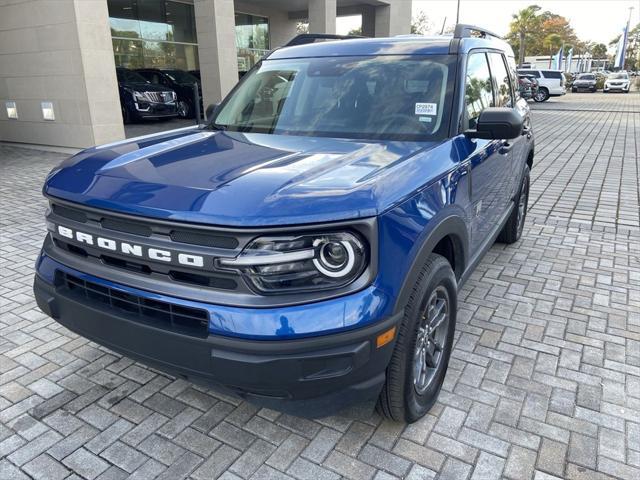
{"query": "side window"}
pixel 478 90
pixel 503 82
pixel 513 75
pixel 551 74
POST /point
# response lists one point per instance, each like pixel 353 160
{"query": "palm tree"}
pixel 525 22
pixel 552 41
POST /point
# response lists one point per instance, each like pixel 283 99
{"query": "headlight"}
pixel 300 263
pixel 139 96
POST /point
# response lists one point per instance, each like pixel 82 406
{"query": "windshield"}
pixel 130 76
pixel 382 97
pixel 180 76
pixel 618 76
pixel 586 77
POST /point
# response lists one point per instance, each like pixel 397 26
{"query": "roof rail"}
pixel 305 38
pixel 463 30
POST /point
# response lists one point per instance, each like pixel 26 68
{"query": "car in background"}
pixel 617 81
pixel 551 83
pixel 180 81
pixel 584 82
pixel 139 99
pixel 533 83
pixel 525 87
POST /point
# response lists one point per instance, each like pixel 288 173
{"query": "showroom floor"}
pixel 544 381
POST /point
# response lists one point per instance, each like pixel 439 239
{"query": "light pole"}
pixel 458 13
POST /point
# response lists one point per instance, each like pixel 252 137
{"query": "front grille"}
pixel 164 315
pixel 126 227
pixel 159 97
pixel 201 240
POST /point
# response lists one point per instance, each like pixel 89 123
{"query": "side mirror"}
pixel 211 111
pixel 497 123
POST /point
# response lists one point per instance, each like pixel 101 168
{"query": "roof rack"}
pixel 305 38
pixel 464 31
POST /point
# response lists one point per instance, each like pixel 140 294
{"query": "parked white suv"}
pixel 617 81
pixel 551 83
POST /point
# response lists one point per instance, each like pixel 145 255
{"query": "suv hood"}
pixel 236 179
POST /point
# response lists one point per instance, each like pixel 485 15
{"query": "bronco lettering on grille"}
pixel 132 249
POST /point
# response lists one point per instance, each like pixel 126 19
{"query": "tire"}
pixel 403 398
pixel 542 95
pixel 512 230
pixel 184 109
pixel 126 116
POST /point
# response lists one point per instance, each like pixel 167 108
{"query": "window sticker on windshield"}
pixel 426 109
pixel 425 119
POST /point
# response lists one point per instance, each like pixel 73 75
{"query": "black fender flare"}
pixel 453 226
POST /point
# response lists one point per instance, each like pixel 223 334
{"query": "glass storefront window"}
pixel 252 39
pixel 153 34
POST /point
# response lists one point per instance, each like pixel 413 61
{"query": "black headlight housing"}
pixel 301 262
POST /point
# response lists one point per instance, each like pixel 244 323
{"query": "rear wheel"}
pixel 425 338
pixel 542 95
pixel 512 230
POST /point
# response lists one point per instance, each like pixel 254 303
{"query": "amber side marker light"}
pixel 385 337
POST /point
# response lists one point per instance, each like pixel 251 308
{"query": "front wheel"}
pixel 512 230
pixel 425 338
pixel 184 109
pixel 542 95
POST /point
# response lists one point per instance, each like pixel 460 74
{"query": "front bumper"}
pixel 307 377
pixel 584 87
pixel 156 110
pixel 620 88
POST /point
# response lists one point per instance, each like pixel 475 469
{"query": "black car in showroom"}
pixel 140 99
pixel 181 82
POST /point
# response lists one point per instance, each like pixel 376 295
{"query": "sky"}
pixel 596 20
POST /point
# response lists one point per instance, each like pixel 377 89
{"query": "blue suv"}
pixel 304 249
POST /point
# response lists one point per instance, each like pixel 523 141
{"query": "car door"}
pixel 503 73
pixel 488 161
pixel 521 150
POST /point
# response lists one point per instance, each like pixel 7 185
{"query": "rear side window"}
pixel 503 82
pixel 550 74
pixel 478 89
pixel 513 75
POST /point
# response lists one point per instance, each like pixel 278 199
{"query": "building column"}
pixel 98 70
pixel 393 19
pixel 215 27
pixel 368 21
pixel 322 16
pixel 58 53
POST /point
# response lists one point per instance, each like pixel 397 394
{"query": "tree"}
pixel 357 32
pixel 599 50
pixel 420 24
pixel 302 27
pixel 553 41
pixel 524 22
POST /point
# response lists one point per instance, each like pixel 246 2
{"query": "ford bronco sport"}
pixel 305 248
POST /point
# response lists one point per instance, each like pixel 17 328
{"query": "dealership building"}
pixel 58 81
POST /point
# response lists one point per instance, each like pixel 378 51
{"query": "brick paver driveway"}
pixel 544 381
